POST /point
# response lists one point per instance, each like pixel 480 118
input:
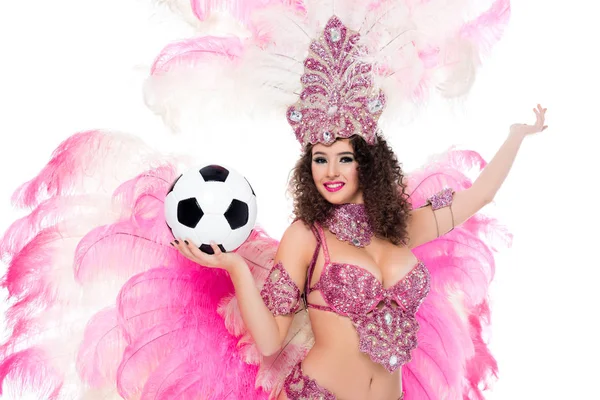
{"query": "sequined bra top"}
pixel 384 317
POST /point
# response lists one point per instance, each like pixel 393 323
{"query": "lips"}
pixel 333 186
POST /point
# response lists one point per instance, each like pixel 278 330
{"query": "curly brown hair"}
pixel 380 179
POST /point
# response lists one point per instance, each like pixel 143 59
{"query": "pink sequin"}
pixel 441 199
pixel 338 97
pixel 388 334
pixel 280 293
pixel 299 386
pixel 350 223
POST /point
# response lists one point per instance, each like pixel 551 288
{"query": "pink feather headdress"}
pixel 331 71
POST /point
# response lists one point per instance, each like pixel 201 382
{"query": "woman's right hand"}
pixel 226 261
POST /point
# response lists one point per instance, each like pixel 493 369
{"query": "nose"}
pixel 332 170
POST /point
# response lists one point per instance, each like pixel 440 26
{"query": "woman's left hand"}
pixel 524 129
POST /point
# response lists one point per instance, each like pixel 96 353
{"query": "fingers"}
pixel 216 249
pixel 200 256
pixel 183 248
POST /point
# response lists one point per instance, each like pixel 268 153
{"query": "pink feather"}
pixel 29 370
pixel 137 242
pixel 170 317
pixel 71 170
pixel 32 290
pixel 192 51
pixel 101 349
pixel 453 360
pixel 487 29
pixel 240 10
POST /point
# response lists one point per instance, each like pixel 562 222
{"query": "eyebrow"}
pixel 343 153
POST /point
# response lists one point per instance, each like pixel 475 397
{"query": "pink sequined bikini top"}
pixel 384 317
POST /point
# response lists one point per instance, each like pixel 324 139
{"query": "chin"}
pixel 336 198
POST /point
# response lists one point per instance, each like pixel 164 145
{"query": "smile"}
pixel 333 186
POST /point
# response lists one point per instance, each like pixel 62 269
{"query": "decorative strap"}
pixel 279 293
pixel 442 199
pixel 323 243
pixel 311 267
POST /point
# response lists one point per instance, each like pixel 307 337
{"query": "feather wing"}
pixel 453 360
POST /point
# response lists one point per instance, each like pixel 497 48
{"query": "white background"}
pixel 67 66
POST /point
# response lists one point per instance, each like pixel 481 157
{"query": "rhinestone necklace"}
pixel 350 223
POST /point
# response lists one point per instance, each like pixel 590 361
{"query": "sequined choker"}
pixel 350 223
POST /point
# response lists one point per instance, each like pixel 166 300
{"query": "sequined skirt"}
pixel 298 386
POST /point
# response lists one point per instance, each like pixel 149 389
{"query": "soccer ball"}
pixel 211 204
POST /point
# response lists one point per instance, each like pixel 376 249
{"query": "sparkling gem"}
pixel 393 360
pixel 356 242
pixel 335 34
pixel 375 106
pixel 275 275
pixel 327 136
pixel 388 318
pixel 296 116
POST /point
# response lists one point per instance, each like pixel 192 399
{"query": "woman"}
pixel 351 178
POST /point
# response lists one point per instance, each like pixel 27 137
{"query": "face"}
pixel 335 172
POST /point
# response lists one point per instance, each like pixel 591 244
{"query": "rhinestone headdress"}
pixel 338 98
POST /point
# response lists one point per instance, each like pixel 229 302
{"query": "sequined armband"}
pixel 442 199
pixel 280 293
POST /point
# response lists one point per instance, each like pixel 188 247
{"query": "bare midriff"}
pixel 336 363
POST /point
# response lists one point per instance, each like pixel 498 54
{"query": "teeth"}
pixel 334 186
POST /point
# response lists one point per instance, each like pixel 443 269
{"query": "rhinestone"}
pixel 275 275
pixel 296 116
pixel 388 318
pixel 393 360
pixel 355 242
pixel 327 136
pixel 335 34
pixel 375 106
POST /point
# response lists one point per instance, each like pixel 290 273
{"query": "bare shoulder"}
pixel 298 239
pixel 300 230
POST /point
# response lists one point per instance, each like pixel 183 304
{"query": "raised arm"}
pixel 448 209
pixel 268 313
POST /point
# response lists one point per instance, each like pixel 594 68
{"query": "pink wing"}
pixel 150 323
pixel 452 360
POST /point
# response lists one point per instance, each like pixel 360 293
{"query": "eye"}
pixel 319 160
pixel 347 159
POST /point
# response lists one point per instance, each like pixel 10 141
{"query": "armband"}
pixel 279 293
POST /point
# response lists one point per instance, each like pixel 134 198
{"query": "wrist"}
pixel 517 135
pixel 237 268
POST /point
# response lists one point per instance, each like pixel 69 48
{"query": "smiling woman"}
pixel 379 287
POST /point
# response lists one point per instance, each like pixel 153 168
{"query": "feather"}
pixel 418 47
pixel 487 29
pixel 71 170
pixel 77 196
pixel 101 349
pixel 28 369
pixel 169 316
pixel 452 360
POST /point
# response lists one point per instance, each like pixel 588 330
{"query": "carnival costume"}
pixel 146 323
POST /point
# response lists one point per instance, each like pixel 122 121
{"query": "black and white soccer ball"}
pixel 212 203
